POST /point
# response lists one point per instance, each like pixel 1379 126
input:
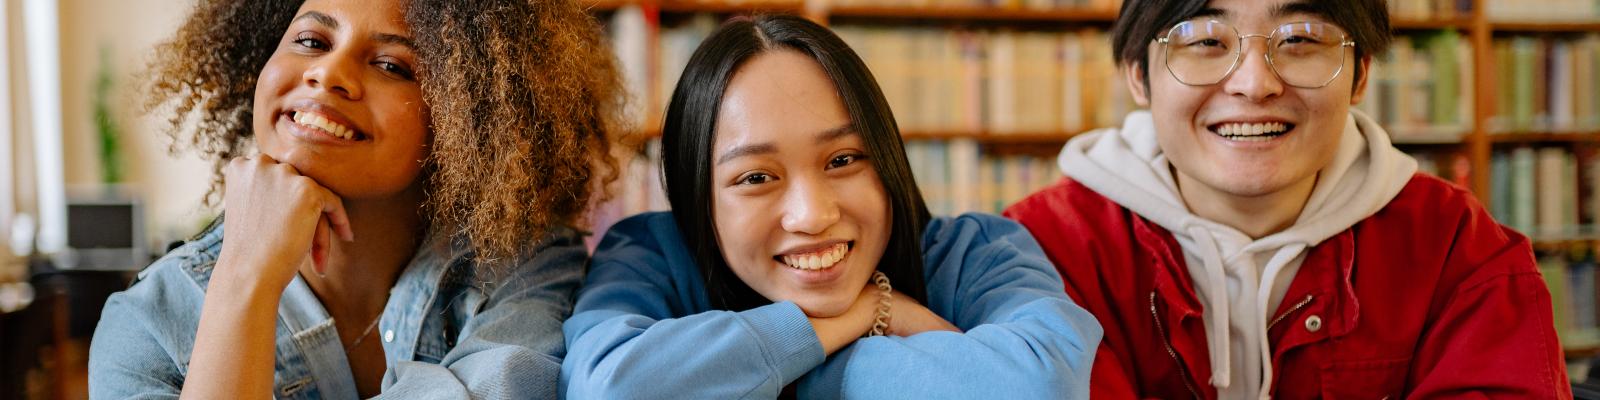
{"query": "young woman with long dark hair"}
pixel 799 257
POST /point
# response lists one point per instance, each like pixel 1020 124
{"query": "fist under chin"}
pixel 352 179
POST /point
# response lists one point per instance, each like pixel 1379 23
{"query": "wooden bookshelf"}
pixel 725 7
pixel 1431 24
pixel 1549 137
pixel 1040 138
pixel 1476 142
pixel 715 7
pixel 1581 352
pixel 1542 27
pixel 1432 137
pixel 1053 140
pixel 990 14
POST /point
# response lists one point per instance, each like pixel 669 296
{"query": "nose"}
pixel 334 73
pixel 810 207
pixel 1254 79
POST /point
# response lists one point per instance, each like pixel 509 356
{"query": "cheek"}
pixel 1178 112
pixel 738 222
pixel 275 80
pixel 399 116
pixel 870 207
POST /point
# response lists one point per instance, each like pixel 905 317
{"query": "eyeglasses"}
pixel 1303 54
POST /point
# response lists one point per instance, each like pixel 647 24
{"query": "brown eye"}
pixel 754 178
pixel 311 43
pixel 395 69
pixel 844 160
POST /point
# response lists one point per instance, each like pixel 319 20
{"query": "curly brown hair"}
pixel 522 95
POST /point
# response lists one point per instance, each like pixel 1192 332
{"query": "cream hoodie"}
pixel 1238 279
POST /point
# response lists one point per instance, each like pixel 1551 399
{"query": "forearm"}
pixel 716 354
pixel 837 332
pixel 233 348
pixel 1041 351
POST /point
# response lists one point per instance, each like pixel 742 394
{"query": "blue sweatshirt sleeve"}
pixel 637 332
pixel 1023 337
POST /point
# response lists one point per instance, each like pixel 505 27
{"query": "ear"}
pixel 1360 88
pixel 1136 84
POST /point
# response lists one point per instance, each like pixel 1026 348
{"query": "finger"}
pixel 334 214
pixel 235 167
pixel 319 247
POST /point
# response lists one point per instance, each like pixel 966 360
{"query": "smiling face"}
pixel 800 214
pixel 339 99
pixel 1251 134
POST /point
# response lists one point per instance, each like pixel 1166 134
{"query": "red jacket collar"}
pixel 1320 303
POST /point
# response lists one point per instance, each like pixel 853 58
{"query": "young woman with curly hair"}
pixel 398 179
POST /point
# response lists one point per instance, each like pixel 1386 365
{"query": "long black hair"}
pixel 687 137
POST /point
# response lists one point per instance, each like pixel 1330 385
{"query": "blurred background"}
pixel 1498 96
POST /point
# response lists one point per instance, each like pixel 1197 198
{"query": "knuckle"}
pixel 300 184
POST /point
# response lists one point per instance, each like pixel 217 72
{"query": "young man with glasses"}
pixel 1252 235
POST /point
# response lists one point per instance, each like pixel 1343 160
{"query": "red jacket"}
pixel 1428 298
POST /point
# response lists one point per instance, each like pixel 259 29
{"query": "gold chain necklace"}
pixel 365 333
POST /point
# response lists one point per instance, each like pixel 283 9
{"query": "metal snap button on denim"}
pixel 388 336
pixel 1313 323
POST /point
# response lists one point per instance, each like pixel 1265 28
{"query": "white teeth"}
pixel 818 260
pixel 1249 132
pixel 317 121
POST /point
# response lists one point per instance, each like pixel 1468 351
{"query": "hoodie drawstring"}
pixel 1216 304
pixel 1269 277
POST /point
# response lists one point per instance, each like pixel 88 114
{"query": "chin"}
pixel 823 308
pixel 1248 185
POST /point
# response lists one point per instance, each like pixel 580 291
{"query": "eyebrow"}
pixel 390 38
pixel 320 18
pixel 384 38
pixel 768 148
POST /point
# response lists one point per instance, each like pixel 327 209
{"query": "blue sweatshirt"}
pixel 643 327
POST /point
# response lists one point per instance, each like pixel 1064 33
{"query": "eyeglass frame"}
pixel 1238 55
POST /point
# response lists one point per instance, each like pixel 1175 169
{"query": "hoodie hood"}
pixel 1239 279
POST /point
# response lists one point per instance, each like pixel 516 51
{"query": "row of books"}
pixel 1542 10
pixel 638 189
pixel 1570 274
pixel 1548 193
pixel 1430 9
pixel 937 80
pixel 1422 86
pixel 993 81
pixel 958 176
pixel 1547 84
pixel 1448 163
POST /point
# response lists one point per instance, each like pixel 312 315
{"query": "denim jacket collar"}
pixel 309 352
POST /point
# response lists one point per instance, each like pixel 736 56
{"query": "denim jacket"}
pixel 446 333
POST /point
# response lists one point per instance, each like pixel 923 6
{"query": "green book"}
pixel 1554 269
pixel 1444 110
pixel 1523 51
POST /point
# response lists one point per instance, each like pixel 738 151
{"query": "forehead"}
pixel 381 15
pixel 1262 11
pixel 775 96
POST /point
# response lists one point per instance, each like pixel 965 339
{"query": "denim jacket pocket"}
pixel 1368 379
